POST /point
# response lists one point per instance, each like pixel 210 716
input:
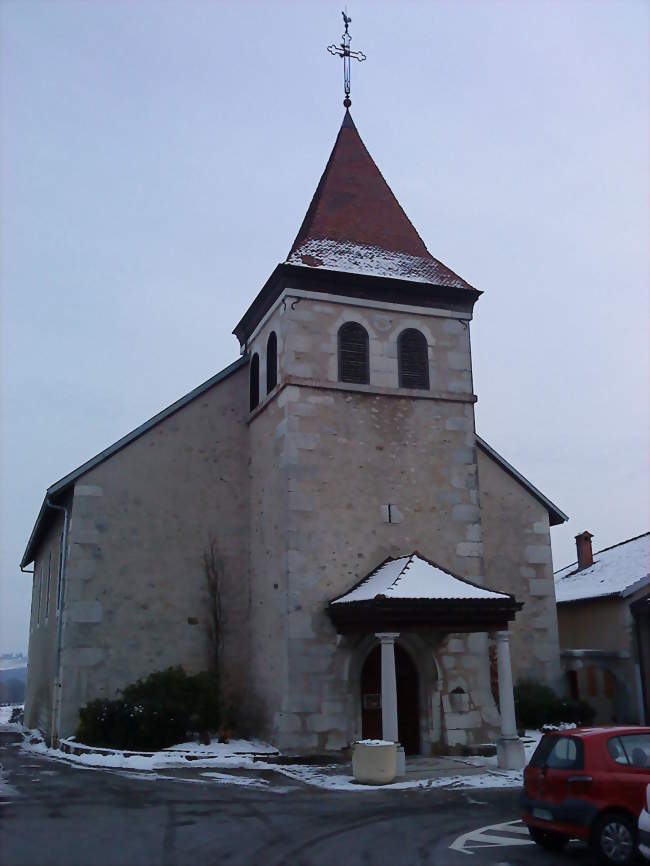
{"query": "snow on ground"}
pixel 129 761
pixel 316 776
pixel 491 778
pixel 5 715
pixel 234 747
pixel 245 781
pixel 237 755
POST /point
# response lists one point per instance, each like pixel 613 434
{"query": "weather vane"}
pixel 343 50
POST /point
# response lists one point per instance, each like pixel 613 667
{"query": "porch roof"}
pixel 411 591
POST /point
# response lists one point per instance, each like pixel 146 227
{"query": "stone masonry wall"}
pixel 141 521
pixel 41 670
pixel 344 452
pixel 518 559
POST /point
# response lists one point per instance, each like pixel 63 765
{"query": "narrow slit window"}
pixel 255 381
pixel 47 586
pixel 271 362
pixel 58 585
pixel 354 365
pixel 413 360
pixel 40 594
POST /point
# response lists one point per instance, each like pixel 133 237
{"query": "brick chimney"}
pixel 585 553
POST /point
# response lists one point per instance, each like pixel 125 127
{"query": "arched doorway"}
pixel 407 699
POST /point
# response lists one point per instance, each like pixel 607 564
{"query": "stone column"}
pixel 388 686
pixel 389 728
pixel 510 749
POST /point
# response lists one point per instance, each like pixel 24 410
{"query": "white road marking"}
pixel 485 837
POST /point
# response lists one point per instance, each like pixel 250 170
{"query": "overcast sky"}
pixel 158 158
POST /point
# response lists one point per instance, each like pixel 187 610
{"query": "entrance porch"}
pixel 419 641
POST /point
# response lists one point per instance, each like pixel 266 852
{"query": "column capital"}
pixel 387 636
pixel 503 637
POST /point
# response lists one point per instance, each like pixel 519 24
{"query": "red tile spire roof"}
pixel 355 223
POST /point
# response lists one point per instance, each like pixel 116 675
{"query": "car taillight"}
pixel 579 784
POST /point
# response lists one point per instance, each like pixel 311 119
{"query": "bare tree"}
pixel 213 578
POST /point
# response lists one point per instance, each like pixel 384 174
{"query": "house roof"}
pixel 355 224
pixel 617 571
pixel 413 592
pixel 60 486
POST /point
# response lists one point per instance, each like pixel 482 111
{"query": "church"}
pixel 382 570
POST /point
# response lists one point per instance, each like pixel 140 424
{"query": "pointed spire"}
pixel 355 224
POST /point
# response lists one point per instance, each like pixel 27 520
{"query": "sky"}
pixel 157 159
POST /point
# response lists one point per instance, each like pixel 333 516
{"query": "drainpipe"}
pixel 56 703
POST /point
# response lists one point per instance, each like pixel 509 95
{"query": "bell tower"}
pixel 361 436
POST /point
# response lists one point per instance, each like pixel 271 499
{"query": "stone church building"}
pixel 379 562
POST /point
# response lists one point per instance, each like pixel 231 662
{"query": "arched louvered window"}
pixel 413 359
pixel 271 362
pixel 255 381
pixel 353 354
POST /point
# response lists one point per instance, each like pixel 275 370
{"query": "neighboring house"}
pixel 603 603
pixel 340 447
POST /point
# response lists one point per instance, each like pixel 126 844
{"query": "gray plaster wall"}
pixel 518 560
pixel 606 625
pixel 41 667
pixel 141 521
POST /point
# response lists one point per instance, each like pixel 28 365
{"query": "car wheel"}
pixel 613 839
pixel 547 839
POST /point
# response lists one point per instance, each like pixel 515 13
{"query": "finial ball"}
pixel 347 102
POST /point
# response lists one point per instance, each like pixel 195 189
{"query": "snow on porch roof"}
pixel 413 577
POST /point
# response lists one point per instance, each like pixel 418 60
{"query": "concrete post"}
pixel 388 687
pixel 506 695
pixel 510 749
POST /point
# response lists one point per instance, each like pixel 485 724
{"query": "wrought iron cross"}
pixel 343 50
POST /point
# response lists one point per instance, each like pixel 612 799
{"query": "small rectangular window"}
pixel 574 689
pixel 592 682
pixel 40 594
pixel 47 586
pixel 58 586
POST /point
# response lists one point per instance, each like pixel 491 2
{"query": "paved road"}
pixel 59 815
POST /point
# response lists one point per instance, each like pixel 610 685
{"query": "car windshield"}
pixel 631 750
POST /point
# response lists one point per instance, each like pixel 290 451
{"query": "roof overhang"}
pixel 414 592
pixel 555 515
pixel 461 615
pixel 352 285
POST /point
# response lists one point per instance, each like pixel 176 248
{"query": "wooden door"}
pixel 408 704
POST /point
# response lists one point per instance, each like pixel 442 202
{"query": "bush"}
pixel 153 713
pixel 537 704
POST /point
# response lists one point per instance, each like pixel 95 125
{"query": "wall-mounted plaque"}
pixel 372 702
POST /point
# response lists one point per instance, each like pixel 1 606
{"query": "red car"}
pixel 588 783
